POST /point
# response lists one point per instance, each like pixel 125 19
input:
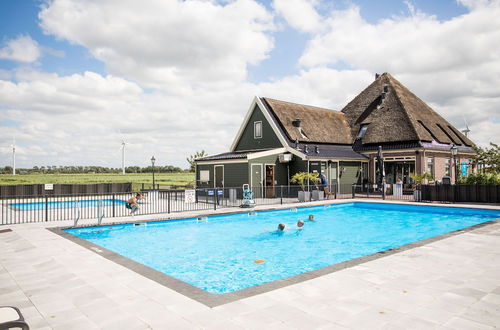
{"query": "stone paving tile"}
pixel 450 284
pixel 409 323
pixel 459 323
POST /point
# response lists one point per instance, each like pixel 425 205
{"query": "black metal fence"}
pixel 41 190
pixel 405 192
pixel 28 209
pixel 465 193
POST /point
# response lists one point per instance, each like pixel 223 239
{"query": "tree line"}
pixel 90 169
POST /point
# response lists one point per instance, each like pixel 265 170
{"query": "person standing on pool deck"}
pixel 133 204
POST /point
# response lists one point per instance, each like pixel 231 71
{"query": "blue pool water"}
pixel 64 204
pixel 218 255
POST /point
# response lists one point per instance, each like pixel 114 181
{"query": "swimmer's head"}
pixel 281 227
pixel 300 223
pixel 311 217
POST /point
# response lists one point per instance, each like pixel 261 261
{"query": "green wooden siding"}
pixel 201 167
pixel 235 175
pixel 349 176
pixel 269 139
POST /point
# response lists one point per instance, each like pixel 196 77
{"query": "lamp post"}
pixel 454 152
pixel 153 163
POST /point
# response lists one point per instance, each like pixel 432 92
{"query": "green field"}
pixel 163 179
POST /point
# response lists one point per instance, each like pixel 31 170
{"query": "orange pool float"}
pixel 259 261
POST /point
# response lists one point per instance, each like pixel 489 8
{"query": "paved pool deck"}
pixel 450 283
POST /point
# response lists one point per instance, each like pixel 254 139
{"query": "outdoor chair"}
pixel 11 317
pixel 328 193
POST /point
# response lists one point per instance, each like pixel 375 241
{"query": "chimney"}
pixel 376 76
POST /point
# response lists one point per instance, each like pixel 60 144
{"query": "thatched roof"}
pixel 317 124
pixel 402 116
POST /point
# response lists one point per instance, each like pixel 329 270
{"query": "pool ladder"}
pixel 78 212
pixel 101 213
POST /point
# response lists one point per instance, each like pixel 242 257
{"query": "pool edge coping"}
pixel 213 300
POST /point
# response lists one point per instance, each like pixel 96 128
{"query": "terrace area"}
pixel 450 282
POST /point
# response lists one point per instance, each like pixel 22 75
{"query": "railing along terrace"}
pixel 29 209
pixel 396 191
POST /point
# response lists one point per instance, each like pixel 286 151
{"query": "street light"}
pixel 454 152
pixel 153 163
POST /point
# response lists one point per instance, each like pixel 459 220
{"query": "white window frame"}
pixel 215 176
pixel 204 176
pixel 255 123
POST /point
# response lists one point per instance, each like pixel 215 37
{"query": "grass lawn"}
pixel 163 179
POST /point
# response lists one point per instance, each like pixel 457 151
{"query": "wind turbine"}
pixel 466 131
pixel 123 156
pixel 13 155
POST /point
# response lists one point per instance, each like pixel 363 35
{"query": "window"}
pixel 430 166
pixel 362 131
pixel 204 176
pixel 447 167
pixel 257 130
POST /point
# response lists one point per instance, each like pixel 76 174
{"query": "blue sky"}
pixel 74 71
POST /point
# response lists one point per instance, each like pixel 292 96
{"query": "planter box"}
pixel 417 195
pixel 318 195
pixel 304 196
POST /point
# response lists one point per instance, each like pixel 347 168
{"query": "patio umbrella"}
pixel 381 166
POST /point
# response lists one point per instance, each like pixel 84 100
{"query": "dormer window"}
pixel 257 129
pixel 362 131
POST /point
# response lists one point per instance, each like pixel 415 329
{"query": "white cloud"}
pixel 300 14
pixel 23 49
pixel 195 54
pixel 169 43
pixel 453 65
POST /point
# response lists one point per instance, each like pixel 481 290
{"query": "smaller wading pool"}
pixel 65 204
pixel 227 253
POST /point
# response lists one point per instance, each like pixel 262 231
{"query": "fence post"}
pixel 216 199
pixel 352 188
pixel 46 208
pixel 383 190
pixel 281 194
pixel 168 201
pixel 114 205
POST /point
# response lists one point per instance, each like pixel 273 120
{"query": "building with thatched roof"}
pixel 278 139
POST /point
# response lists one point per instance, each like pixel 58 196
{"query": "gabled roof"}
pixel 317 124
pixel 400 117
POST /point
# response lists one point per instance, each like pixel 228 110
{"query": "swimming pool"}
pixel 218 254
pixel 66 204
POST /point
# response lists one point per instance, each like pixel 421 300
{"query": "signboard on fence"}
pixel 190 196
pixel 465 169
pixel 49 186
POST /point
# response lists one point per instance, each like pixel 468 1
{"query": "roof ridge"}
pixel 304 105
pixel 398 98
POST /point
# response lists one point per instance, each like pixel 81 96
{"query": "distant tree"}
pixel 7 170
pixel 488 159
pixel 192 158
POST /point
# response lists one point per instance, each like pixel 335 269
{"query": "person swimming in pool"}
pixel 300 224
pixel 281 227
pixel 311 217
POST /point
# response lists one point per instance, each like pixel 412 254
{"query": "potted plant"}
pixel 419 179
pixel 301 178
pixel 317 194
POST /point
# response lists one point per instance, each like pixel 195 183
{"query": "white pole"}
pixel 123 157
pixel 13 156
